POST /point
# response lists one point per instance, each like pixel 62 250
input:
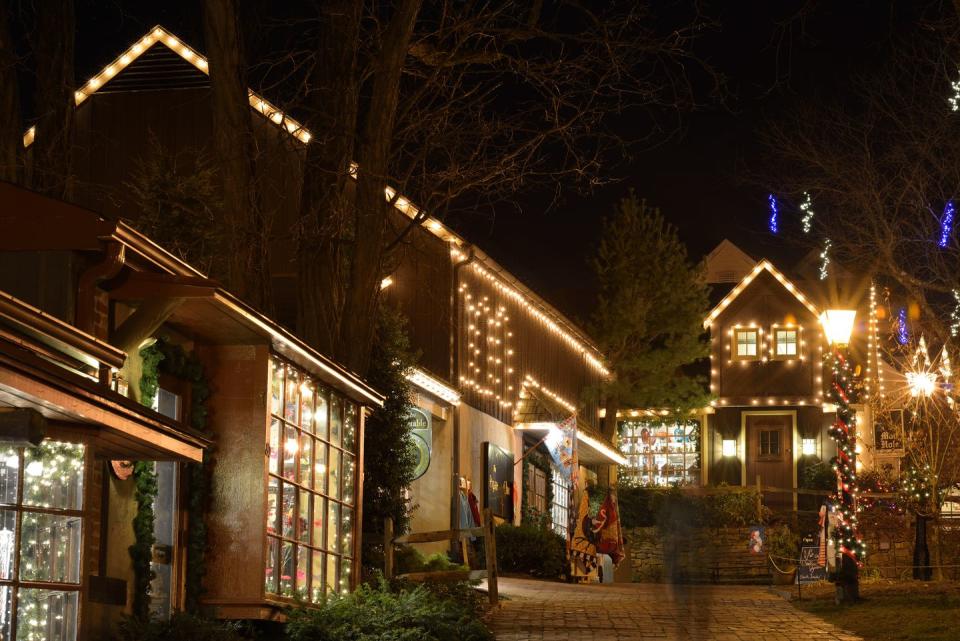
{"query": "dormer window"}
pixel 786 342
pixel 746 343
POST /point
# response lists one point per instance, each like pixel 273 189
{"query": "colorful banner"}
pixel 583 540
pixel 607 523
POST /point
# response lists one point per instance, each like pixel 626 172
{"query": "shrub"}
pixel 377 613
pixel 183 627
pixel 672 508
pixel 782 542
pixel 529 549
pixel 409 559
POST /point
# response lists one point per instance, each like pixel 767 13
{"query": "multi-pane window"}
pixel 746 342
pixel 660 452
pixel 769 443
pixel 311 494
pixel 560 510
pixel 785 342
pixel 537 490
pixel 41 537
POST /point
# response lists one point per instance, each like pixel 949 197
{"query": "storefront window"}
pixel 311 444
pixel 41 534
pixel 661 452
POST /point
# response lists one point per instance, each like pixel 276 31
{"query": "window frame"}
pixel 300 539
pixel 769 455
pixel 15 583
pixel 735 343
pixel 775 342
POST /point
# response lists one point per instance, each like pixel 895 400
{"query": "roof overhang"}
pixel 591 449
pixel 762 266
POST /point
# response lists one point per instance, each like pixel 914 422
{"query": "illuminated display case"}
pixel 661 452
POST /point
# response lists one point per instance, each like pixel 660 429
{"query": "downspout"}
pixel 454 377
pixel 114 256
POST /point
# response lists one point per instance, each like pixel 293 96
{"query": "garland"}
pixel 141 552
pixel 538 460
pixel 175 361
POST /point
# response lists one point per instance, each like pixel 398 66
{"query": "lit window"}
pixel 785 342
pixel 747 343
pixel 808 446
pixel 311 461
pixel 729 447
pixel 42 491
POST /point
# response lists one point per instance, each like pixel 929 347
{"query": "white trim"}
pixel 433 386
pixel 763 265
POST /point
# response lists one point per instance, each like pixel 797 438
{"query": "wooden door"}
pixel 770 455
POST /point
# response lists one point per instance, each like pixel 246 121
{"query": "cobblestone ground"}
pixel 544 611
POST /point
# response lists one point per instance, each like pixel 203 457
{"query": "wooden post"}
pixel 388 548
pixel 759 501
pixel 490 552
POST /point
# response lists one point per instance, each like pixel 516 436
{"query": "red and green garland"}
pixel 843 431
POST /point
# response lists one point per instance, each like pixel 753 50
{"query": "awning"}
pixel 538 413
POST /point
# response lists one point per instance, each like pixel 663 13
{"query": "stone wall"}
pixel 703 555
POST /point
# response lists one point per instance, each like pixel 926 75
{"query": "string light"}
pixel 774 214
pixel 955 315
pixel 903 332
pixel 946 224
pixel 825 259
pixel 807 208
pixel 954 100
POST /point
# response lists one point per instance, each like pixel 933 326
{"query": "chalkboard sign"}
pixel 809 570
pixel 888 431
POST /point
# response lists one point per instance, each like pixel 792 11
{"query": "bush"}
pixel 183 627
pixel 377 613
pixel 671 508
pixel 409 559
pixel 529 549
pixel 782 542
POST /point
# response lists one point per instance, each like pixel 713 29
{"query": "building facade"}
pixel 117 351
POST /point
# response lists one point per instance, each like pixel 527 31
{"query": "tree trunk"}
pixel 245 224
pixel 325 204
pixel 370 222
pixel 612 407
pixel 11 127
pixel 52 43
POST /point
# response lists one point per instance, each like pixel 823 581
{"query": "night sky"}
pixel 707 177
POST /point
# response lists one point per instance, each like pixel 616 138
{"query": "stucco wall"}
pixel 476 428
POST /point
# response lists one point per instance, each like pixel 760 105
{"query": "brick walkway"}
pixel 544 611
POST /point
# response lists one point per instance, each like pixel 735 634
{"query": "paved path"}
pixel 544 611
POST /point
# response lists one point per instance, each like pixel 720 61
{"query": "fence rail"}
pixel 486 532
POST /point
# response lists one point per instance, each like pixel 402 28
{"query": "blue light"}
pixel 774 225
pixel 903 334
pixel 946 224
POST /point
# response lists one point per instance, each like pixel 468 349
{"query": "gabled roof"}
pixel 571 334
pixel 727 263
pixel 763 265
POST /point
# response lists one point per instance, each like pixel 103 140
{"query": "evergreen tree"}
pixel 389 459
pixel 648 319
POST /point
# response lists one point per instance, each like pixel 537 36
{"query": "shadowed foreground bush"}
pixel 375 613
pixel 530 549
pixel 183 627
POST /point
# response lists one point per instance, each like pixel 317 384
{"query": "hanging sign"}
pixel 888 432
pixel 421 439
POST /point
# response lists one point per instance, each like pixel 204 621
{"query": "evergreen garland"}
pixel 843 431
pixel 141 552
pixel 173 360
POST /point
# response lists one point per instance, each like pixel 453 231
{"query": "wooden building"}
pixel 83 298
pixel 495 355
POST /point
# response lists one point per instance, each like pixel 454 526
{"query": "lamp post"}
pixel 838 327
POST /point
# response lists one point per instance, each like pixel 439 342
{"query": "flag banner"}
pixel 563 448
pixel 607 525
pixel 583 541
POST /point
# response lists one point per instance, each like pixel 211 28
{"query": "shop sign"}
pixel 421 439
pixel 888 432
pixel 810 570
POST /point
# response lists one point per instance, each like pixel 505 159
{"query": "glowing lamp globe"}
pixel 838 325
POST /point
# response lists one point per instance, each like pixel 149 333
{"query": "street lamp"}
pixel 838 327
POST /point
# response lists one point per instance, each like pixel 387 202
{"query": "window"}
pixel 769 443
pixel 560 510
pixel 537 490
pixel 311 494
pixel 785 342
pixel 746 343
pixel 661 452
pixel 41 533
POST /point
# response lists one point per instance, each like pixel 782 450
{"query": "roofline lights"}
pixel 434 386
pixel 759 267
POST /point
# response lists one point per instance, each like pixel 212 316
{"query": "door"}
pixel 770 456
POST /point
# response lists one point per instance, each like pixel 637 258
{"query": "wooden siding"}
pixel 765 303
